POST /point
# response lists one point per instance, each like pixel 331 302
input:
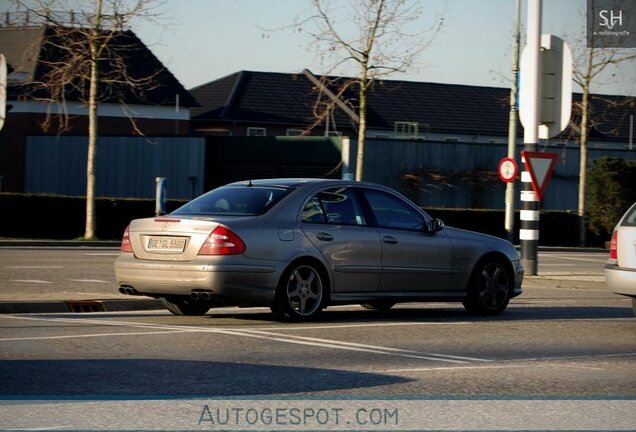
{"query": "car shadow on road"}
pixel 173 378
pixel 452 313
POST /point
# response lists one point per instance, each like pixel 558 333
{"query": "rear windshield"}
pixel 234 201
pixel 630 218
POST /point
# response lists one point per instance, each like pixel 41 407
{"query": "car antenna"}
pixel 249 183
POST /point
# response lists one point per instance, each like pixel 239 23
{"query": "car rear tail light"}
pixel 614 246
pixel 126 246
pixel 222 241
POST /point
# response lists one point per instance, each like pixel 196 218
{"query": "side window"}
pixel 392 212
pixel 313 212
pixel 334 206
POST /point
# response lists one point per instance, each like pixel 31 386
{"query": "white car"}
pixel 620 270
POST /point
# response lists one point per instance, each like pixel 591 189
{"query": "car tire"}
pixel 634 306
pixel 185 306
pixel 489 288
pixel 380 306
pixel 301 292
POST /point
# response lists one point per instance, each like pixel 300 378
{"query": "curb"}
pixel 60 243
pixel 78 306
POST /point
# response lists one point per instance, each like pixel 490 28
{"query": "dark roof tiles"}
pixel 288 99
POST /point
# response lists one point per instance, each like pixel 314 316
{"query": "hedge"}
pixel 61 217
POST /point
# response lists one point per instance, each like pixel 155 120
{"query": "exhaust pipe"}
pixel 201 295
pixel 128 290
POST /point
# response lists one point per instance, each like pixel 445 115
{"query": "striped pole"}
pixel 529 226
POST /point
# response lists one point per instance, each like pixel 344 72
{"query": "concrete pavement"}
pixel 44 301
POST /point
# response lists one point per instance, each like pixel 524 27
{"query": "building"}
pixel 156 105
pixel 249 103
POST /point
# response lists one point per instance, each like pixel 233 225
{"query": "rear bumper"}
pixel 620 280
pixel 250 284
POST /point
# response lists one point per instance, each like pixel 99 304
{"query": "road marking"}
pixel 517 363
pixel 102 254
pixel 35 281
pixel 328 342
pixel 460 361
pixel 336 345
pixel 45 428
pixel 345 326
pixel 31 267
pixel 19 339
pixel 599 260
pixel 257 334
pixel 90 280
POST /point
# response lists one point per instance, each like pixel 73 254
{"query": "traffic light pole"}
pixel 529 220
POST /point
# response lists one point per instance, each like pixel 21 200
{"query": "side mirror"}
pixel 436 225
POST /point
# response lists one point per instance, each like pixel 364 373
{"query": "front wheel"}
pixel 301 292
pixel 489 289
pixel 185 306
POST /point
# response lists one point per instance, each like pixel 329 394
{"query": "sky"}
pixel 209 39
pixel 203 40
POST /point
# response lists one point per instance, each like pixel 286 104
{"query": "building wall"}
pixel 126 166
pixel 442 174
pixel 20 125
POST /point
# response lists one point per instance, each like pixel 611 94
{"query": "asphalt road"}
pixel 552 342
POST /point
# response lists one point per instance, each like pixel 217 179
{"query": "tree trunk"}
pixel 89 232
pixel 362 126
pixel 90 228
pixel 585 101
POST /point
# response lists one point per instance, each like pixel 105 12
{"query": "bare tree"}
pixel 87 59
pixel 589 65
pixel 377 38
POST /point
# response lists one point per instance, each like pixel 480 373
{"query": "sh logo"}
pixel 609 18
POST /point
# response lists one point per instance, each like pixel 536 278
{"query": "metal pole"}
pixel 509 222
pixel 529 226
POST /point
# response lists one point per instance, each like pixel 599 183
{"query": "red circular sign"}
pixel 508 169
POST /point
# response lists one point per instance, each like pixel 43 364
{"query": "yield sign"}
pixel 540 166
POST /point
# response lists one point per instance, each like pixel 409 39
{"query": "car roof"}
pixel 290 182
pixel 296 183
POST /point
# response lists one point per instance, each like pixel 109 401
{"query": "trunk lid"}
pixel 169 238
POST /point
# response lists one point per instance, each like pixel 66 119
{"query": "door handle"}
pixel 389 240
pixel 324 237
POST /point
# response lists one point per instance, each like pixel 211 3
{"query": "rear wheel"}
pixel 489 288
pixel 380 306
pixel 301 292
pixel 185 306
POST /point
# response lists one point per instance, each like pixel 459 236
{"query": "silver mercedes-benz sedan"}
pixel 299 245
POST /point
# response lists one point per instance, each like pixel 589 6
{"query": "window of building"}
pixel 256 131
pixel 294 132
pixel 407 130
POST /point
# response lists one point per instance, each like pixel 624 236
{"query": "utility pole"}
pixel 509 222
pixel 529 226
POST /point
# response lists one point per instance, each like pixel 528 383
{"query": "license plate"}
pixel 166 244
